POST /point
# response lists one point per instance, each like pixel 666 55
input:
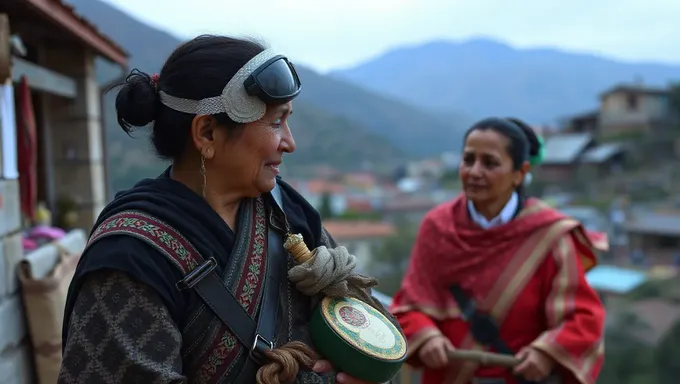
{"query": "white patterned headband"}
pixel 235 100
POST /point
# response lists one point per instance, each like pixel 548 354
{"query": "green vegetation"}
pixel 602 204
pixel 450 180
pixel 622 137
pixel 674 97
pixel 391 258
pixel 325 208
pixel 628 360
pixel 321 140
pixel 354 216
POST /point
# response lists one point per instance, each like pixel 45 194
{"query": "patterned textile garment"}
pixel 126 322
pixel 528 274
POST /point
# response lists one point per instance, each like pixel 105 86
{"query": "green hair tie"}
pixel 540 156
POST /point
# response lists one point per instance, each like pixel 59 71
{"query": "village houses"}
pixel 594 144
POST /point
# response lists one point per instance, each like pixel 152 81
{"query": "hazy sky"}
pixel 335 34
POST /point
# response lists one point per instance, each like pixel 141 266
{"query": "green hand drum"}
pixel 355 337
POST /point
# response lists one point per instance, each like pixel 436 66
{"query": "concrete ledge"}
pixel 41 262
pixel 16 366
pixel 12 320
pixel 10 212
pixel 43 79
pixel 12 254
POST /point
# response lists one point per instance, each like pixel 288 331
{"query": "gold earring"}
pixel 205 181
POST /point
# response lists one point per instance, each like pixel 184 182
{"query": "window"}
pixel 632 101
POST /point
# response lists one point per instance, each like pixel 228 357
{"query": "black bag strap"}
pixel 265 331
pixel 255 337
pixel 483 327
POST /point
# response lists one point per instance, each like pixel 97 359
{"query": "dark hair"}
pixel 524 143
pixel 523 140
pixel 197 69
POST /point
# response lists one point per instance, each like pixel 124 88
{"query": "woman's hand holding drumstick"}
pixel 435 352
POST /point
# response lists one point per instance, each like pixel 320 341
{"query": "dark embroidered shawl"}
pixel 210 352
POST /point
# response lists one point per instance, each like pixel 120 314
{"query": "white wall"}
pixel 15 358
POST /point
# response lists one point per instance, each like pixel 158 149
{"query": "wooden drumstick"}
pixel 484 358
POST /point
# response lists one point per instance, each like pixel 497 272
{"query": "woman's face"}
pixel 247 162
pixel 487 170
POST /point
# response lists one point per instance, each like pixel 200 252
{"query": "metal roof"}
pixel 654 224
pixel 590 217
pixel 602 153
pixel 566 148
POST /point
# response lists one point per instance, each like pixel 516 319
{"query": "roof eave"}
pixel 62 14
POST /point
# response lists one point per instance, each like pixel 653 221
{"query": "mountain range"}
pixel 483 77
pixel 410 102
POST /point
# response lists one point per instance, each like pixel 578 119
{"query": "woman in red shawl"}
pixel 521 263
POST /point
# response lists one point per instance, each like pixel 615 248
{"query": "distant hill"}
pixel 410 128
pixel 320 139
pixel 484 77
pixel 335 122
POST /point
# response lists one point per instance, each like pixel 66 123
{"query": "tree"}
pixel 450 179
pixel 391 258
pixel 666 354
pixel 674 98
pixel 325 208
pixel 627 359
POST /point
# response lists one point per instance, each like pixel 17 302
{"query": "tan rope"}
pixel 285 362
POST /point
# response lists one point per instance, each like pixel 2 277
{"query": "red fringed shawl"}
pixel 451 248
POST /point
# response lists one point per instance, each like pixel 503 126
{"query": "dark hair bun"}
pixel 534 143
pixel 136 101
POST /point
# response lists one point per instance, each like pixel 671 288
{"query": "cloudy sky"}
pixel 337 34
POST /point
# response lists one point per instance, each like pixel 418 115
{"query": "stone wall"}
pixel 15 356
pixel 74 131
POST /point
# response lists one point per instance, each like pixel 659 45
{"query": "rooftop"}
pixel 355 230
pixel 64 15
pixel 566 148
pixel 409 203
pixel 653 223
pixel 318 187
pixel 602 153
pixel 609 278
pixel 634 88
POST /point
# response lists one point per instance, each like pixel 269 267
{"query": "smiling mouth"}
pixel 274 167
pixel 476 186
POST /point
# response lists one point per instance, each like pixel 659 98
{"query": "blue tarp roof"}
pixel 610 278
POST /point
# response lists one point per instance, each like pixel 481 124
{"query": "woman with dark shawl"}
pixel 496 270
pixel 138 310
